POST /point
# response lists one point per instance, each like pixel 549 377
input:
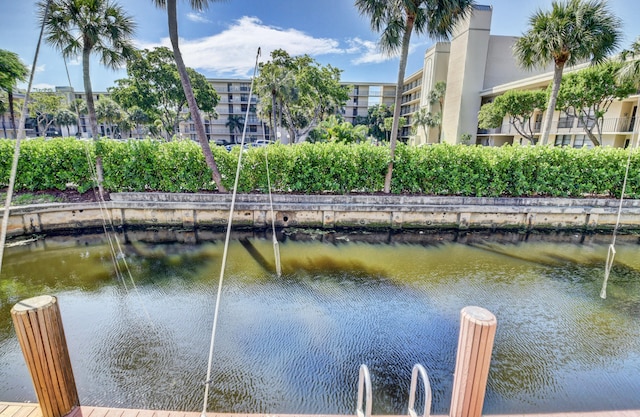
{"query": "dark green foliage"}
pixel 149 165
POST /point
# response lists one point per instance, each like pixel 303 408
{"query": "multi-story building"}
pixel 235 101
pixel 477 67
pixel 365 95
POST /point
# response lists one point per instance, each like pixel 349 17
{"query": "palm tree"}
pixel 235 122
pixel 81 28
pixel 572 32
pixel 397 19
pixel 423 118
pixel 630 69
pixel 110 113
pixel 12 70
pixel 198 5
pixel 275 82
pixel 66 118
pixel 437 96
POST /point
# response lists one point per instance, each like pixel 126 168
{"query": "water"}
pixel 294 344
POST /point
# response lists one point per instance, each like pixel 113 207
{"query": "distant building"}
pixel 476 67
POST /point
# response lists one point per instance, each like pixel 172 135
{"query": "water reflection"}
pixel 294 344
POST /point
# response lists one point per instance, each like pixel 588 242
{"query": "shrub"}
pixel 179 166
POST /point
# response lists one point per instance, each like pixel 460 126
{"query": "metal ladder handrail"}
pixel 419 370
pixel 364 388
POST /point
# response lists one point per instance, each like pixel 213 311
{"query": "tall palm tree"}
pixel 82 28
pixel 573 31
pixel 397 19
pixel 172 18
pixel 12 70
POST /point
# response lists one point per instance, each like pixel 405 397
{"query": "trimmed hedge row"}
pixel 326 168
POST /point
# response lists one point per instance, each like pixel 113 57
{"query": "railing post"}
pixel 39 330
pixel 477 332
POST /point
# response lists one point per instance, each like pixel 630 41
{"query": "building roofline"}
pixel 530 82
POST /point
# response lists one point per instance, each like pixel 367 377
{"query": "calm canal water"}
pixel 294 344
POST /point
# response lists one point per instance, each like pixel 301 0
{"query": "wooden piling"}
pixel 475 343
pixel 39 330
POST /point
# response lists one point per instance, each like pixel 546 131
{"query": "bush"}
pixel 179 166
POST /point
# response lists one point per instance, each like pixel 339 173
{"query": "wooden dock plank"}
pixel 8 409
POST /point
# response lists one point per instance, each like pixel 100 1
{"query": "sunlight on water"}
pixel 293 344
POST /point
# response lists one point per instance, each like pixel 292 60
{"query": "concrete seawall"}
pixel 190 211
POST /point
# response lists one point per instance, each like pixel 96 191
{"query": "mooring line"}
pixel 16 151
pixel 207 381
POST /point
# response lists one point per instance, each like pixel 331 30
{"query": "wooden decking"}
pixel 33 410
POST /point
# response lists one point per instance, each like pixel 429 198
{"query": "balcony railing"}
pixel 610 125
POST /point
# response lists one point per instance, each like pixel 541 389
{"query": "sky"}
pixel 222 42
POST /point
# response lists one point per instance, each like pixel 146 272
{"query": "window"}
pixel 563 140
pixel 582 141
pixel 230 98
pixel 356 90
pixel 589 119
pixel 243 108
pixel 355 112
pixel 538 122
pixel 565 121
pixel 253 128
pixel 230 108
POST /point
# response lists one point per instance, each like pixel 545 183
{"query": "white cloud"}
pixel 42 86
pixel 232 52
pixel 197 17
pixel 369 52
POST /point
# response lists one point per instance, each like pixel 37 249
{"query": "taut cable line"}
pixel 611 252
pixel 207 381
pixel 16 152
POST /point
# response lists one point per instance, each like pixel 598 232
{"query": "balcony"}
pixel 609 126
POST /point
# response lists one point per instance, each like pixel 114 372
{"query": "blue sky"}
pixel 222 41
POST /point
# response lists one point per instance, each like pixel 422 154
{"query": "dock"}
pixel 8 409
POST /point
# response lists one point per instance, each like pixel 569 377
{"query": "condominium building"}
pixel 477 67
pixel 235 102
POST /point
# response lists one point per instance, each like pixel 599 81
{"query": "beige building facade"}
pixel 477 67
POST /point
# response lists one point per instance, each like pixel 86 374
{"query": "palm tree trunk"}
pixel 273 113
pixel 551 106
pixel 91 110
pixel 11 113
pixel 406 38
pixel 191 100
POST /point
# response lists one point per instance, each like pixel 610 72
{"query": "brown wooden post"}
pixel 41 335
pixel 477 332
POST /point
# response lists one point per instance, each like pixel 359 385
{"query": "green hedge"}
pixel 179 166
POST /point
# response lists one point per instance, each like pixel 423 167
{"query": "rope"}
pixel 611 253
pixel 276 246
pixel 207 381
pixel 107 222
pixel 16 151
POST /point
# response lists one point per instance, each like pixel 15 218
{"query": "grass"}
pixel 29 198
